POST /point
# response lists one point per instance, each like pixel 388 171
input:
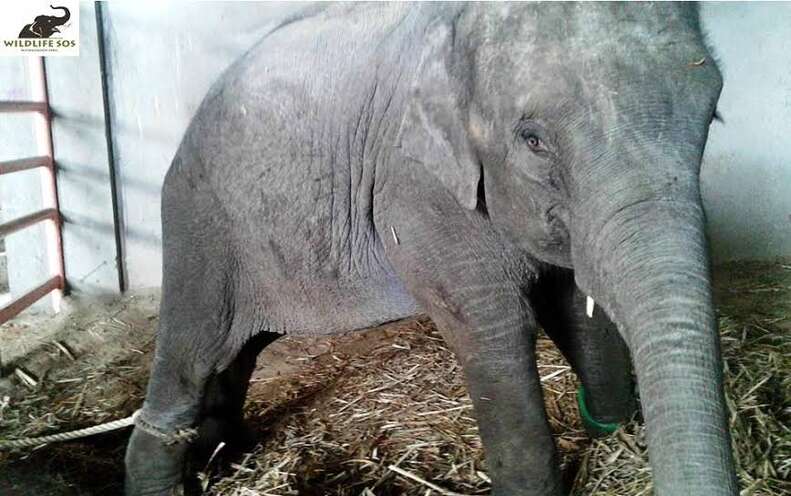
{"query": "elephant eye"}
pixel 533 142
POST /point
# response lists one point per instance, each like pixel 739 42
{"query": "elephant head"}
pixel 45 26
pixel 579 130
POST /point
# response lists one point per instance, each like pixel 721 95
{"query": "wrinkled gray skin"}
pixel 364 163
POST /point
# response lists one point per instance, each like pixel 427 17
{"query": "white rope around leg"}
pixel 6 444
pixel 179 436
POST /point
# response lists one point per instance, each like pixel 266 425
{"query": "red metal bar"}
pixel 42 128
pixel 24 164
pixel 28 220
pixel 49 186
pixel 11 107
pixel 13 309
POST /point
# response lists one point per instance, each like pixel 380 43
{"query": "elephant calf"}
pixel 492 165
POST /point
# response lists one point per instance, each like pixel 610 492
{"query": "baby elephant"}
pixel 497 166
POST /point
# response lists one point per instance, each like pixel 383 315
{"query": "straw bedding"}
pixel 383 412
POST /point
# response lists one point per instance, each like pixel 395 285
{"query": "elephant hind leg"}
pixel 202 366
pixel 222 416
pixel 203 347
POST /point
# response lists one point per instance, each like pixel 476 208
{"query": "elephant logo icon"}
pixel 44 26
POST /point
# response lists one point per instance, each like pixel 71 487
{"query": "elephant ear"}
pixel 434 128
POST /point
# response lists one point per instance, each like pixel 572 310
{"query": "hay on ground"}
pixel 386 412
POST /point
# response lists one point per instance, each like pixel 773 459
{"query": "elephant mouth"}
pixel 558 234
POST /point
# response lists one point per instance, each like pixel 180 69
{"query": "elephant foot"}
pixel 154 468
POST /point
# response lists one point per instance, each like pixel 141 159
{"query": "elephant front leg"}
pixel 473 286
pixel 595 349
pixel 498 359
pixel 491 329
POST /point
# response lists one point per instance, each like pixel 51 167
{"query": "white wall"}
pixel 747 167
pixel 80 147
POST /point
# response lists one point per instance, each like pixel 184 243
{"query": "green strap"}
pixel 588 418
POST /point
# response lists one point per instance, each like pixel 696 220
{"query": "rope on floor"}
pixel 6 444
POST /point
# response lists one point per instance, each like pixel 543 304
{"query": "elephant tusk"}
pixel 589 303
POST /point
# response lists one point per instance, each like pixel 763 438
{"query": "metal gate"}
pixel 49 213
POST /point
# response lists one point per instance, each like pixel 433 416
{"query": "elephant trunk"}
pixel 65 17
pixel 650 272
